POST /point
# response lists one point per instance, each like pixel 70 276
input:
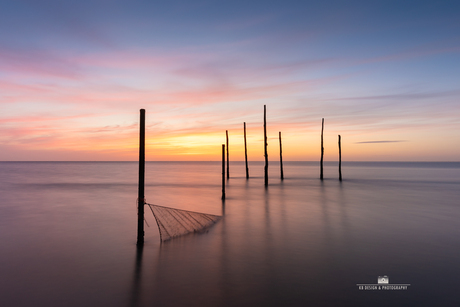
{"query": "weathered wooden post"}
pixel 322 151
pixel 246 152
pixel 340 159
pixel 281 159
pixel 223 171
pixel 140 196
pixel 265 146
pixel 228 160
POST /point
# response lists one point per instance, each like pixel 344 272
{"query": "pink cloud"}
pixel 38 63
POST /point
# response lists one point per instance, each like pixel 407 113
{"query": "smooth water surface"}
pixel 68 234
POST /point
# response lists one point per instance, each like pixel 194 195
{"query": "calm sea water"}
pixel 68 234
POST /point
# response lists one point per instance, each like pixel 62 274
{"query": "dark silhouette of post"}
pixel 246 152
pixel 228 160
pixel 140 196
pixel 340 159
pixel 322 151
pixel 223 171
pixel 265 146
pixel 281 159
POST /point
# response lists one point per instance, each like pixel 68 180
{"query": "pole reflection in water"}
pixel 137 280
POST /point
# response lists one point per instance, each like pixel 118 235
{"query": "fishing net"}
pixel 175 222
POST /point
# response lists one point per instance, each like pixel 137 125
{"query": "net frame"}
pixel 174 222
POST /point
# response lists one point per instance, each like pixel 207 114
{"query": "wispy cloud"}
pixel 407 96
pixel 418 52
pixel 377 142
pixel 38 62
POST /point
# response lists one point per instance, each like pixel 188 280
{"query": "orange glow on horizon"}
pixel 84 138
pixel 113 145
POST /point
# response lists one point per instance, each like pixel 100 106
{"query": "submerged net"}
pixel 175 222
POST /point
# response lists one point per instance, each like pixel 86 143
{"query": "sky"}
pixel 383 74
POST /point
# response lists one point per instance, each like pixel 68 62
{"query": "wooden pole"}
pixel 228 160
pixel 265 146
pixel 246 152
pixel 340 159
pixel 322 151
pixel 223 171
pixel 140 196
pixel 281 159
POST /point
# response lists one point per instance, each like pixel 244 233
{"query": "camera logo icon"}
pixel 383 280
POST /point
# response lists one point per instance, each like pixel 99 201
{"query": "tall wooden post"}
pixel 265 146
pixel 281 159
pixel 140 196
pixel 228 160
pixel 223 171
pixel 246 152
pixel 340 160
pixel 322 150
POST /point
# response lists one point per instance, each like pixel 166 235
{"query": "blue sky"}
pixel 383 74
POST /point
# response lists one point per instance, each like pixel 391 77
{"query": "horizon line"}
pixel 275 161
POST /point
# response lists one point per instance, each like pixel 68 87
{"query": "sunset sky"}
pixel 385 75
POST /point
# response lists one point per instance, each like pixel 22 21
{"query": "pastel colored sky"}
pixel 384 74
